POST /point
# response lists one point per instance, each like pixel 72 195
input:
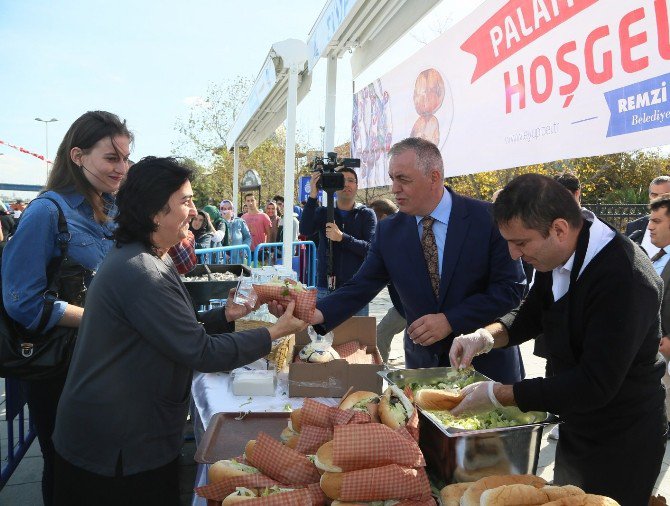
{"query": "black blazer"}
pixel 638 225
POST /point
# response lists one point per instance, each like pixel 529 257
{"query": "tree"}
pixel 203 141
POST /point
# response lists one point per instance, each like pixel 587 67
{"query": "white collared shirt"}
pixel 647 245
pixel 599 236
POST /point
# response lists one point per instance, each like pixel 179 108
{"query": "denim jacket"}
pixel 238 232
pixel 31 248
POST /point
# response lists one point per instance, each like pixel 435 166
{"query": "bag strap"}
pixel 51 293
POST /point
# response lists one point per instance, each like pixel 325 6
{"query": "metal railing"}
pixel 240 254
pixel 303 262
pixel 20 434
pixel 267 253
pixel 618 215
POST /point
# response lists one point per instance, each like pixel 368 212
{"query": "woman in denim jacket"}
pixel 91 163
pixel 238 231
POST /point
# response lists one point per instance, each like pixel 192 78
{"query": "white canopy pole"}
pixel 294 55
pixel 331 85
pixel 236 176
pixel 289 165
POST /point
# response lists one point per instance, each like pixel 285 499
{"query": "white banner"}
pixel 520 82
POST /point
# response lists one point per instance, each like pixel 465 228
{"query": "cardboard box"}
pixel 334 378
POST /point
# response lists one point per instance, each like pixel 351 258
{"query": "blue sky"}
pixel 147 60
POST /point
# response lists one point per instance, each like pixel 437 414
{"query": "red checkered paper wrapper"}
pixel 388 482
pixel 374 445
pixel 311 438
pixel 282 463
pixel 217 491
pixel 412 426
pixel 409 502
pixel 305 300
pixel 355 353
pixel 320 415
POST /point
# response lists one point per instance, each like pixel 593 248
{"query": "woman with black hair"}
pixel 121 417
pixel 202 229
pixel 90 164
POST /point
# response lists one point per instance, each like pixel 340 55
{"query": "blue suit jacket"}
pixel 480 282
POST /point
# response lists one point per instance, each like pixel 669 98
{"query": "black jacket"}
pixel 348 255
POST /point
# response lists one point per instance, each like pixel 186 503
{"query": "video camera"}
pixel 330 180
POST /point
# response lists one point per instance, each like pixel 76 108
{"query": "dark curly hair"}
pixel 146 191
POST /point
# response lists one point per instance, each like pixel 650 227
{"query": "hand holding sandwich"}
pixel 478 398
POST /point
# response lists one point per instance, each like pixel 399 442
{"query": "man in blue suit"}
pixel 478 280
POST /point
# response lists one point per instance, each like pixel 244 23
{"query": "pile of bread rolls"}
pixel 519 489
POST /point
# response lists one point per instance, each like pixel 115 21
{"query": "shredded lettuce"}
pixel 490 420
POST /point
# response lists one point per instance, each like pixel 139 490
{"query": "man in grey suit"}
pixel 659 233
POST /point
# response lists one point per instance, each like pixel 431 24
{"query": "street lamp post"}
pixel 46 132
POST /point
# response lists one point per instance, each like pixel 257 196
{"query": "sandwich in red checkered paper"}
pixel 281 463
pixel 377 484
pixel 276 495
pixel 217 491
pixel 320 415
pixel 286 290
pixel 374 445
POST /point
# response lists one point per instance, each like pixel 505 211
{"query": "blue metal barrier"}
pixel 224 255
pixel 15 418
pixel 304 258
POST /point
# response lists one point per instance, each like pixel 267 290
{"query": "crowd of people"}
pixel 469 281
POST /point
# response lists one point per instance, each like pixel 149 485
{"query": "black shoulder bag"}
pixel 33 355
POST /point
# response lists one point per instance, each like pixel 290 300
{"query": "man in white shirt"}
pixel 637 230
pixel 596 298
pixel 659 231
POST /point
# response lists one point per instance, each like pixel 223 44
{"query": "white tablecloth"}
pixel 212 394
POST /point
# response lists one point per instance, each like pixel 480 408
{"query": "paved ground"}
pixel 23 489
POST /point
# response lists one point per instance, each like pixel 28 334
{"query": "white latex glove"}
pixel 478 398
pixel 467 346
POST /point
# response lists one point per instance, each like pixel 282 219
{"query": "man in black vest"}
pixel 596 298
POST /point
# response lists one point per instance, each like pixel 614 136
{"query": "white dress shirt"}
pixel 599 235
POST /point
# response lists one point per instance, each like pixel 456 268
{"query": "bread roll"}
pixel 437 399
pixel 395 409
pixel 331 484
pixel 473 493
pixel 240 494
pixel 513 495
pixel 360 401
pixel 324 458
pixel 584 500
pixel 451 494
pixel 249 449
pixel 223 469
pixel 555 492
pixel 296 420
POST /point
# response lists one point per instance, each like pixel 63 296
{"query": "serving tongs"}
pixel 209 273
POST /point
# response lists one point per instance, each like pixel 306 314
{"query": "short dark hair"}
pixel 249 195
pixel 537 201
pixel 146 191
pixel 569 180
pixel 383 207
pixel 663 200
pixel 350 171
pixel 278 198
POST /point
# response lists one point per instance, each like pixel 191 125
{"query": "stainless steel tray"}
pixel 434 375
pixel 466 455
